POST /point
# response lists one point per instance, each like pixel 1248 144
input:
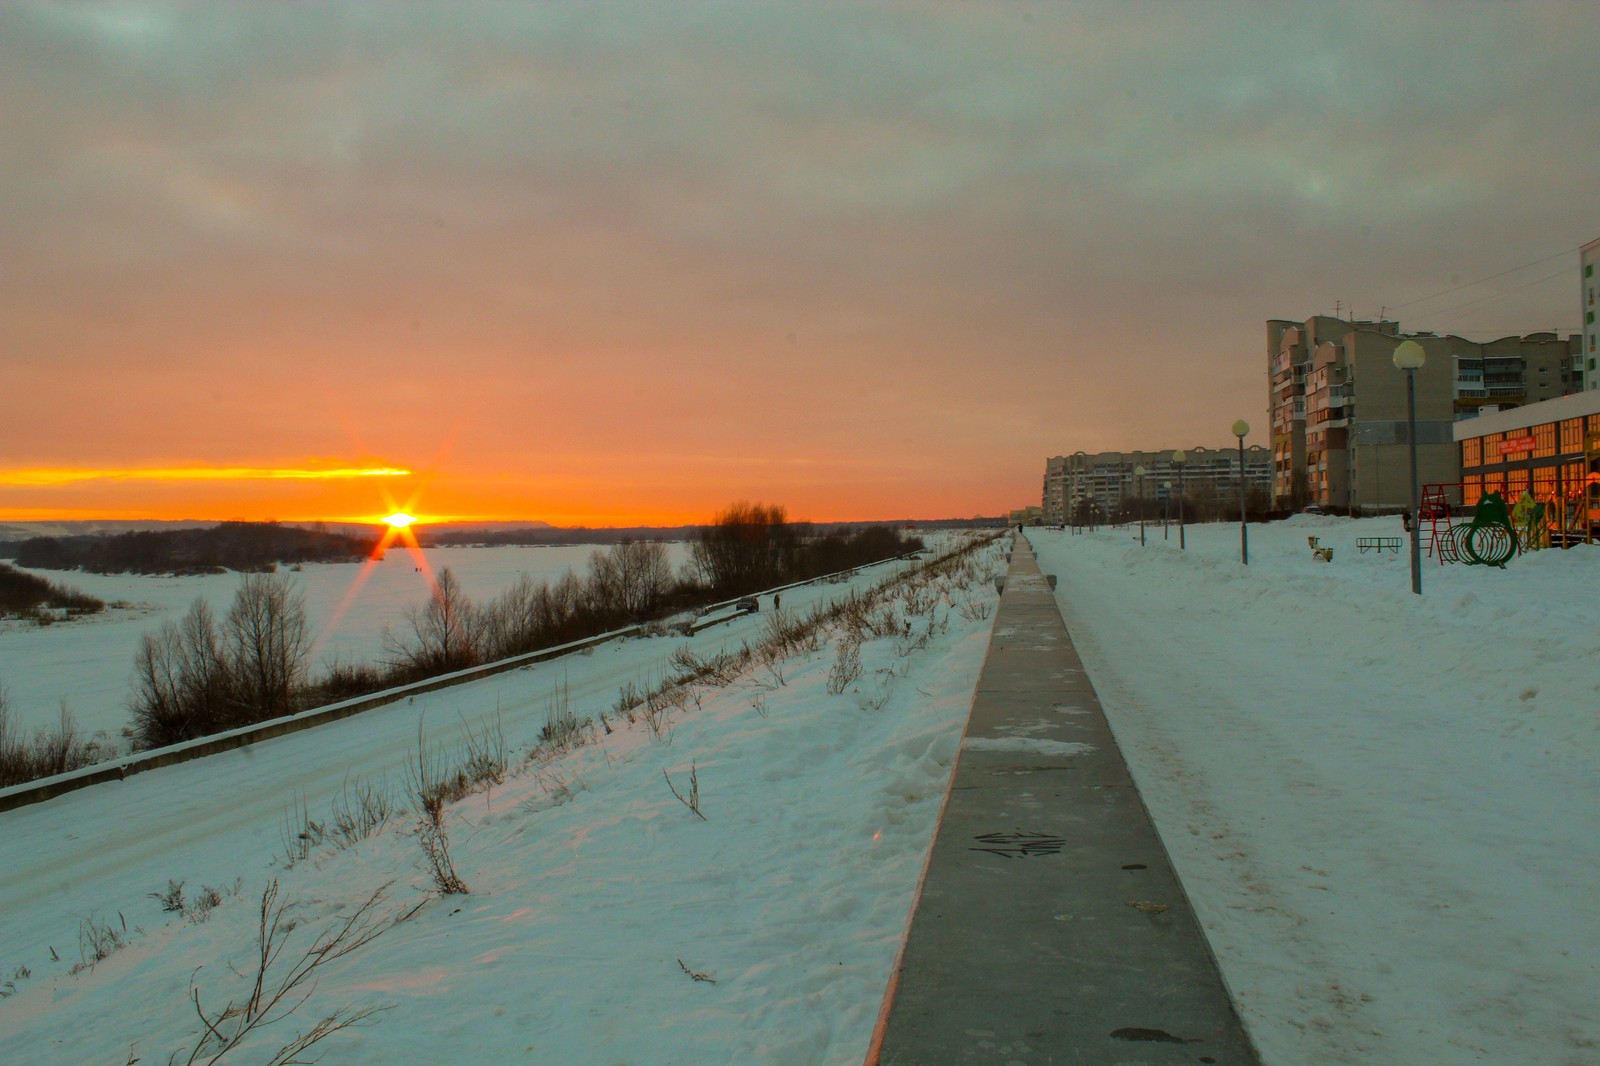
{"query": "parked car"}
pixel 1313 509
pixel 749 604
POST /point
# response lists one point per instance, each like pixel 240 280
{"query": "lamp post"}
pixel 1079 468
pixel 1138 474
pixel 1178 459
pixel 1409 357
pixel 1166 506
pixel 1241 429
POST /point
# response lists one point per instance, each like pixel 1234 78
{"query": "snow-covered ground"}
pixel 597 899
pixel 87 664
pixel 1386 808
pixel 1383 807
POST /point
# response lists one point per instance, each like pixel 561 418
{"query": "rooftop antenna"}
pixel 1338 308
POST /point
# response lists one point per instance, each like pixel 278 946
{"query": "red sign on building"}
pixel 1516 444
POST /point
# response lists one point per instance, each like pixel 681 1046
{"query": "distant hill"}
pixel 505 533
pixel 228 546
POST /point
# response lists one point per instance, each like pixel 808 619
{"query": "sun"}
pixel 400 520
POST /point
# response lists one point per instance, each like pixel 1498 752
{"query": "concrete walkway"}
pixel 1050 926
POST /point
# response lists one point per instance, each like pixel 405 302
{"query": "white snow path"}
pixel 1383 806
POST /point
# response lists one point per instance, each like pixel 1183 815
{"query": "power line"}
pixel 1499 295
pixel 1480 281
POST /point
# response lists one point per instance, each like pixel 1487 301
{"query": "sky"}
pixel 624 263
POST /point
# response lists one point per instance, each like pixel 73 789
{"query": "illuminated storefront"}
pixel 1550 450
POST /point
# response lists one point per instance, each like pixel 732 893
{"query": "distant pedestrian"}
pixel 1405 520
pixel 777 601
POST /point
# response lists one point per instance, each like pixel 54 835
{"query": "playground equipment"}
pixel 1434 526
pixel 1490 540
pixel 1319 552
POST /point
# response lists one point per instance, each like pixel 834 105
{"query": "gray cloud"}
pixel 1062 223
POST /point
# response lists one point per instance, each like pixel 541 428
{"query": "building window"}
pixel 1472 452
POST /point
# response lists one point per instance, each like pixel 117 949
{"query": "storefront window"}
pixel 1572 480
pixel 1544 438
pixel 1472 452
pixel 1571 435
pixel 1544 483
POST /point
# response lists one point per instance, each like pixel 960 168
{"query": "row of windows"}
pixel 1547 482
pixel 1486 450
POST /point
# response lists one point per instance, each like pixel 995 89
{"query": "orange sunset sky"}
pixel 626 262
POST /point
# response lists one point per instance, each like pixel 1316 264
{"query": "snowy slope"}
pixel 589 880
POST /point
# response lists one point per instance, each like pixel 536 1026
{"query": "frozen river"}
pixel 87 664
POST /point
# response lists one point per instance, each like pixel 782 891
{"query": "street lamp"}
pixel 1138 474
pixel 1178 459
pixel 1409 357
pixel 1080 463
pixel 1166 506
pixel 1241 429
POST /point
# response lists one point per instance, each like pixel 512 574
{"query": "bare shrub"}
pixel 718 670
pixel 205 901
pixel 342 681
pixel 47 752
pixel 628 699
pixel 98 941
pixel 432 786
pixel 435 843
pixel 299 833
pixel 563 729
pixel 973 610
pixel 913 640
pixel 846 667
pixel 692 801
pixel 172 899
pixel 359 811
pixel 275 993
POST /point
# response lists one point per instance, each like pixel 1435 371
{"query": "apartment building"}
pixel 1109 483
pixel 1583 363
pixel 1338 405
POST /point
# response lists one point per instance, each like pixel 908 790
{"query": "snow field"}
pixel 596 895
pixel 1382 805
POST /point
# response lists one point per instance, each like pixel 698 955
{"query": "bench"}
pixel 1378 544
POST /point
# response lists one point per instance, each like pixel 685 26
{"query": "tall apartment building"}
pixel 1108 481
pixel 1583 363
pixel 1338 405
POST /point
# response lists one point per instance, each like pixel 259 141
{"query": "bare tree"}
pixel 746 547
pixel 442 636
pixel 183 684
pixel 630 578
pixel 267 643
